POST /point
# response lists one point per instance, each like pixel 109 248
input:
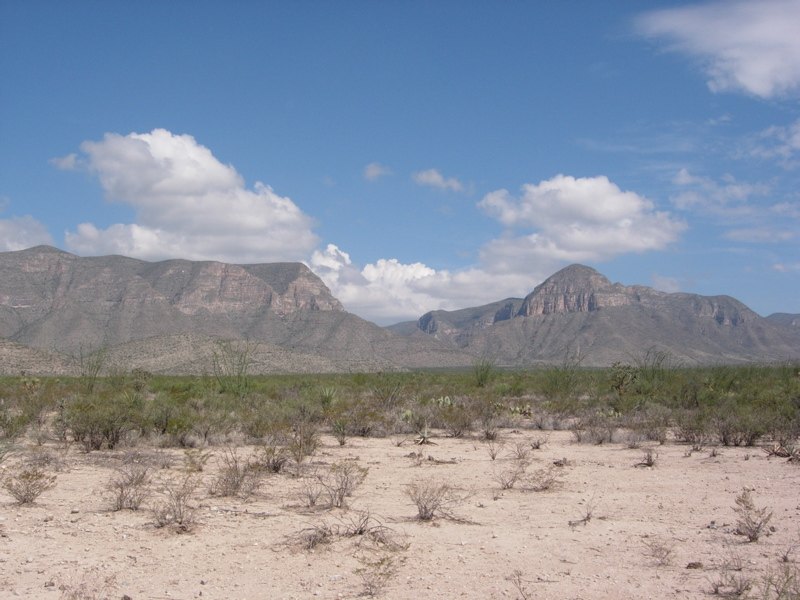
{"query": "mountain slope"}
pixel 53 300
pixel 578 312
pixel 791 321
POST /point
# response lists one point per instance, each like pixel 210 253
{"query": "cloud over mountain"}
pixel 575 219
pixel 17 233
pixel 188 204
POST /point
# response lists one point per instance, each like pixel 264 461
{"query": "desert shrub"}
pixel 376 574
pixel 521 451
pixel 232 362
pixel 314 536
pixel 91 585
pixel 261 417
pixel 28 484
pixel 751 521
pixel 562 381
pixel 487 414
pixel 483 371
pixel 311 490
pixel 622 378
pixel 367 417
pixel 494 447
pixel 36 399
pixel 130 487
pixel 210 416
pixel 508 477
pixel 420 419
pixel 12 423
pixel 737 424
pixel 175 509
pixel 362 524
pixel 195 460
pixel 434 498
pixel 339 429
pixel 168 415
pixel 455 416
pixel 692 426
pixel 272 454
pixel 731 583
pixel 235 476
pixel 595 428
pixel 341 481
pixel 650 423
pixel 780 584
pixel 654 369
pixel 6 448
pixel 649 459
pixel 537 442
pixel 387 389
pixel 101 420
pixel 303 442
pixel 586 515
pixel 540 480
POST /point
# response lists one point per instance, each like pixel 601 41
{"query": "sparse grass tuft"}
pixel 519 584
pixel 659 551
pixel 376 574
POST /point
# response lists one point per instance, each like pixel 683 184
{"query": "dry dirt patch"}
pixel 604 526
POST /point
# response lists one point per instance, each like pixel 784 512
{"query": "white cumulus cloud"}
pixel 18 233
pixel 433 178
pixel 374 171
pixel 575 219
pixel 188 204
pixel 387 290
pixel 742 45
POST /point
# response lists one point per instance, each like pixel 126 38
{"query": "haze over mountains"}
pixel 165 317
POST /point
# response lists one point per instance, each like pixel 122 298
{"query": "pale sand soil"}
pixel 239 550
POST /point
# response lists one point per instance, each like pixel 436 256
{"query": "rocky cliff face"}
pixel 574 289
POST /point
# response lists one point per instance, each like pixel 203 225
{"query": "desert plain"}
pixel 581 521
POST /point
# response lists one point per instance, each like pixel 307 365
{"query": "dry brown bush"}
pixel 130 487
pixel 175 509
pixel 236 476
pixel 28 484
pixel 434 498
pixel 341 481
pixel 509 476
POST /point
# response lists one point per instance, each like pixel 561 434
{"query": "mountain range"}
pixel 169 316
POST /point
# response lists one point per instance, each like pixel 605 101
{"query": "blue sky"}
pixel 416 155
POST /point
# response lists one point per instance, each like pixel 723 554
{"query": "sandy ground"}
pixel 70 545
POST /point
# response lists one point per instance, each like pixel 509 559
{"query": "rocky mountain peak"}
pixel 576 288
